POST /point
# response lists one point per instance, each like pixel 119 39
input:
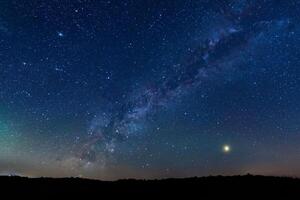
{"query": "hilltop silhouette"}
pixel 246 186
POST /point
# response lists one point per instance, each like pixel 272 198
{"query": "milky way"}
pixel 214 55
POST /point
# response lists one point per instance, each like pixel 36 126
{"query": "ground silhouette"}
pixel 222 186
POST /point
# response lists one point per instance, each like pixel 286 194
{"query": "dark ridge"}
pixel 248 185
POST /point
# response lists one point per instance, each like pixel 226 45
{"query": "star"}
pixel 60 34
pixel 226 148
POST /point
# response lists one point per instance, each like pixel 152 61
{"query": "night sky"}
pixel 149 89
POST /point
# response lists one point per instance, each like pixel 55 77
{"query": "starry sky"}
pixel 149 89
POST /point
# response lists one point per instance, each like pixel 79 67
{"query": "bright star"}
pixel 60 34
pixel 226 148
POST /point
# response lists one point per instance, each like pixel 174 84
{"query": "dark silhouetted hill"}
pixel 224 186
